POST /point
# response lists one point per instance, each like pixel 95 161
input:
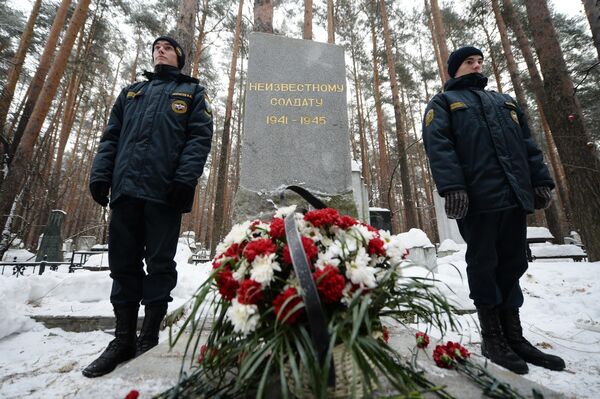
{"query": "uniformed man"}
pixel 491 174
pixel 150 158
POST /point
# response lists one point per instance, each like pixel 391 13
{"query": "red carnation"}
pixel 346 221
pixel 262 246
pixel 227 284
pixel 321 217
pixel 442 358
pixel 422 339
pixel 457 351
pixel 330 284
pixel 202 356
pixel 285 303
pixel 277 228
pixel 310 249
pixel 370 228
pixel 376 247
pixel 216 264
pixel 133 394
pixel 386 335
pixel 250 292
pixel 234 251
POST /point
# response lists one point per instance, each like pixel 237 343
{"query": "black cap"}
pixel 458 56
pixel 176 46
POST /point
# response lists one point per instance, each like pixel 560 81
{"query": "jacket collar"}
pixel 470 81
pixel 168 73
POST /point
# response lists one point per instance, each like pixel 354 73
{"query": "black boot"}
pixel 493 342
pixel 120 349
pixel 511 325
pixel 148 338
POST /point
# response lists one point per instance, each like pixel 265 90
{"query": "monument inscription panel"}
pixel 295 124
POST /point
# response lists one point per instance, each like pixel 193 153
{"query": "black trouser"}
pixel 138 230
pixel 496 256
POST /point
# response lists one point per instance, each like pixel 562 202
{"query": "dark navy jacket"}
pixel 159 132
pixel 478 140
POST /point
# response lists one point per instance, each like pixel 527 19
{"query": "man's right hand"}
pixel 99 191
pixel 457 204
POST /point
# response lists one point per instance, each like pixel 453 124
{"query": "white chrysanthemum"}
pixel 284 211
pixel 359 271
pixel 240 273
pixel 394 248
pixel 327 258
pixel 360 230
pixel 263 269
pixel 308 230
pixel 238 233
pixel 244 318
pixel 336 250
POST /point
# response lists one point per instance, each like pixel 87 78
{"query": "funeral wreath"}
pixel 252 333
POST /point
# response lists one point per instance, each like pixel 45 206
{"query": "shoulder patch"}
pixel 514 116
pixel 179 106
pixel 511 105
pixel 457 105
pixel 133 93
pixel 429 117
pixel 208 108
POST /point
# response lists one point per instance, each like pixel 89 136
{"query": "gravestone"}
pixel 85 243
pixel 381 218
pixel 51 243
pixel 447 228
pixel 295 127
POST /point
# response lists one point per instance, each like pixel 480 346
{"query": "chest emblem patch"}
pixel 429 117
pixel 179 106
pixel 513 115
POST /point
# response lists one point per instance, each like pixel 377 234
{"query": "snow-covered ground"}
pixel 560 314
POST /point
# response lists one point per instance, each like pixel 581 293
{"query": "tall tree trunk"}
pixel 510 61
pixel 330 22
pixel 436 50
pixel 495 67
pixel 200 39
pixel 308 20
pixel 184 31
pixel 16 174
pixel 138 48
pixel 37 82
pixel 384 163
pixel 263 16
pixel 364 149
pixel 218 219
pixel 17 66
pixel 592 10
pixel 582 167
pixel 440 35
pixel 410 211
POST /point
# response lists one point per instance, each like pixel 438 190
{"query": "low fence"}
pixel 77 262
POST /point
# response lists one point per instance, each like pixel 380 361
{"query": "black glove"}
pixel 542 196
pixel 457 204
pixel 180 195
pixel 99 191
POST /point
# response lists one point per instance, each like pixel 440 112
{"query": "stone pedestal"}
pixel 295 127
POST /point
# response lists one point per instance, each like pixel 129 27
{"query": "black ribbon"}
pixel 311 199
pixel 310 295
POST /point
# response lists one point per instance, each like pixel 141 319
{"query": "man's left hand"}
pixel 542 196
pixel 180 195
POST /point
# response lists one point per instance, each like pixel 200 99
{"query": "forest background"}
pixel 62 64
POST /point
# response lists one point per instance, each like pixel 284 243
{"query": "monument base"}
pixel 250 205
